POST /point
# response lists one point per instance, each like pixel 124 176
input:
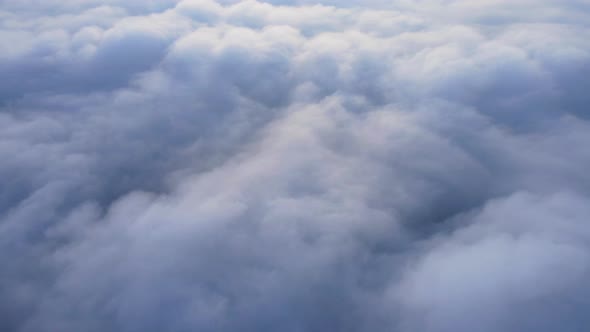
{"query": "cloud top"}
pixel 294 166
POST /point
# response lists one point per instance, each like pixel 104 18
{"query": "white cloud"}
pixel 294 166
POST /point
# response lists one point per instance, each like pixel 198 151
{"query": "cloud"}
pixel 293 166
pixel 486 270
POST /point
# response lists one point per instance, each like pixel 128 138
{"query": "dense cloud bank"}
pixel 294 166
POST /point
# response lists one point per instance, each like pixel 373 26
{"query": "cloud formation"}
pixel 207 165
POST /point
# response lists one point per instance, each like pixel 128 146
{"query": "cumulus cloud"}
pixel 294 165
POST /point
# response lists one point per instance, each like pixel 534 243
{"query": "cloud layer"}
pixel 294 166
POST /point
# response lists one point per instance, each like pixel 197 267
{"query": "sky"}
pixel 294 165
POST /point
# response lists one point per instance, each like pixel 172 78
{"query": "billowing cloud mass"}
pixel 295 166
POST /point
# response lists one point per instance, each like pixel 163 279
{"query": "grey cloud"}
pixel 293 166
pixel 482 276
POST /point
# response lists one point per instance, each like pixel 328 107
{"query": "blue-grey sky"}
pixel 294 166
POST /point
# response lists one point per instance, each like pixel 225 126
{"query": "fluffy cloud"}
pixel 294 166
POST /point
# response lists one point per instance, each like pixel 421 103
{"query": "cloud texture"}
pixel 294 166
